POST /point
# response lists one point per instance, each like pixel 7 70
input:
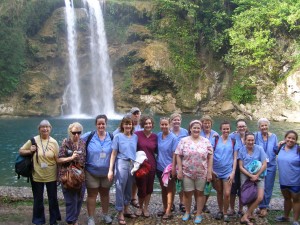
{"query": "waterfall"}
pixel 97 94
pixel 71 97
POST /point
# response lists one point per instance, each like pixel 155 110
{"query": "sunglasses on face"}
pixel 76 132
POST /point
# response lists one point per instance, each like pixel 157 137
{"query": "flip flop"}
pixel 129 215
pixel 167 217
pixel 139 212
pixel 121 221
pixel 247 222
pixel 147 214
pixel 134 203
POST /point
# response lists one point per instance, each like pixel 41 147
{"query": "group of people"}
pixel 191 158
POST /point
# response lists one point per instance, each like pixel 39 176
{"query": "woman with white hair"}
pixel 268 141
pixel 45 154
pixel 72 150
pixel 194 161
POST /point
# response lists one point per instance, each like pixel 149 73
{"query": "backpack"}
pixel 91 136
pixel 217 139
pixel 24 164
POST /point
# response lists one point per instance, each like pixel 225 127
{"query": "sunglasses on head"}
pixel 76 132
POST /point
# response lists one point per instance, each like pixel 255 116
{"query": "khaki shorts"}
pixel 191 185
pixel 260 183
pixel 96 182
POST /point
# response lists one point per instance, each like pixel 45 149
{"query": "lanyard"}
pixel 265 148
pixel 44 149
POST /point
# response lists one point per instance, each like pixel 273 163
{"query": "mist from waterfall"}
pixel 71 97
pixel 97 94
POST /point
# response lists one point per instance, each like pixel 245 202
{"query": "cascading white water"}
pixel 72 98
pixel 97 92
pixel 102 83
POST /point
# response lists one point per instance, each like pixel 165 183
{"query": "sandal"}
pixel 129 215
pixel 263 213
pixel 139 212
pixel 121 221
pixel 134 203
pixel 247 222
pixel 167 217
pixel 146 214
pixel 161 213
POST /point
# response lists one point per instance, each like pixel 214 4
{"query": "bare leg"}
pixel 92 194
pixel 200 199
pixel 296 206
pixel 226 197
pixel 188 201
pixel 104 196
pixel 287 202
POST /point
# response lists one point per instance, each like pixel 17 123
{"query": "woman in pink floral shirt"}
pixel 194 161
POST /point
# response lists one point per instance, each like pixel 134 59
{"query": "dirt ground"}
pixel 13 212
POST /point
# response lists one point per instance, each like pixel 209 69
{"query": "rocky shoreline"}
pixel 24 193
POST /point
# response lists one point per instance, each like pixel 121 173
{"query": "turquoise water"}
pixel 16 131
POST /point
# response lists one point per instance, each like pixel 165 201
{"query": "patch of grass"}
pixel 272 216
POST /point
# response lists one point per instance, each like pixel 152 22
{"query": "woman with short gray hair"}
pixel 268 141
pixel 45 154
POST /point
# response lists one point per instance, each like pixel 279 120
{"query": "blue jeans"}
pixel 123 183
pixel 73 202
pixel 269 184
pixel 38 216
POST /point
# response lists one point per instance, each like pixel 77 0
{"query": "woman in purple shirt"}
pixel 147 142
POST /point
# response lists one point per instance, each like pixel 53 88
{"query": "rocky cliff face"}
pixel 142 71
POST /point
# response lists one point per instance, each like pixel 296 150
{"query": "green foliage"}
pixel 257 26
pixel 11 58
pixel 17 22
pixel 242 92
pixel 127 83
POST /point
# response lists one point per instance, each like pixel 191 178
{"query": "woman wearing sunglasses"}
pixel 72 151
pixel 98 145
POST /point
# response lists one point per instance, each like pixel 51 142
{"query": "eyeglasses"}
pixel 241 126
pixel 76 132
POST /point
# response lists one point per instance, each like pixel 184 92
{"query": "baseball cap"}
pixel 134 109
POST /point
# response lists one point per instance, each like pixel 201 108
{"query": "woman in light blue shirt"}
pixel 179 133
pixel 166 145
pixel 246 155
pixel 268 141
pixel 224 165
pixel 121 162
pixel 98 145
pixel 289 176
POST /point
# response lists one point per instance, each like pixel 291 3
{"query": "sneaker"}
pixel 219 216
pixel 295 223
pixel 198 219
pixel 91 221
pixel 107 219
pixel 226 219
pixel 282 219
